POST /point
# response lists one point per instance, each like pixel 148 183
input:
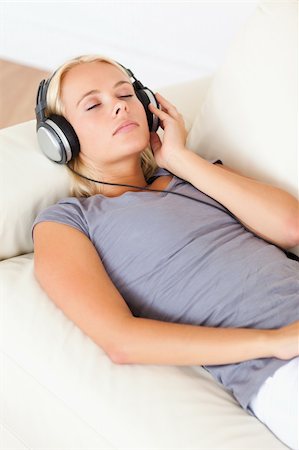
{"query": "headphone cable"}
pixel 289 254
pixel 145 188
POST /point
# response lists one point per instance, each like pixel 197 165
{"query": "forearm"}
pixel 147 341
pixel 266 210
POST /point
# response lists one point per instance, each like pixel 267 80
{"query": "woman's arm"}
pixel 268 211
pixel 74 277
pixel 153 342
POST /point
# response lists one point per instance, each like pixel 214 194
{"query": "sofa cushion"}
pixel 249 115
pixel 30 182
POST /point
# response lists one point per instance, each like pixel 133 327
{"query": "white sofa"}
pixel 59 390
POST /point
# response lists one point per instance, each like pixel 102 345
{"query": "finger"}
pixel 161 114
pixel 166 104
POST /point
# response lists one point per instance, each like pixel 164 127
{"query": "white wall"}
pixel 161 42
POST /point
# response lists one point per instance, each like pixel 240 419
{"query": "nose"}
pixel 119 107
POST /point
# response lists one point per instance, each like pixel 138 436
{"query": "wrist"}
pixel 180 163
pixel 269 342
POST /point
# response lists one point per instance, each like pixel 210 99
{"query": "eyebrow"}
pixel 96 91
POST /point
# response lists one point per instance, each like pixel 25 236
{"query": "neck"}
pixel 128 180
pixel 132 176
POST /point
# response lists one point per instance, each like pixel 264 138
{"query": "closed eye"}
pixel 93 106
pixel 98 104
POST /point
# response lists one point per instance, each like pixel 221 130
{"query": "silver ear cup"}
pixel 53 142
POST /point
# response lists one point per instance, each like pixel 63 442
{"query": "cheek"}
pixel 89 131
pixel 142 113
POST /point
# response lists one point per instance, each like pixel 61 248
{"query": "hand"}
pixel 174 137
pixel 286 341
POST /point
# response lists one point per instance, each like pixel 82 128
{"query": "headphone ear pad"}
pixel 57 139
pixel 68 132
pixel 146 96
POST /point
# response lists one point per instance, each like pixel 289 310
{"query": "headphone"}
pixel 57 138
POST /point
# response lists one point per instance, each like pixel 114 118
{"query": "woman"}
pixel 198 277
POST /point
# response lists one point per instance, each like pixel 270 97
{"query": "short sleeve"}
pixel 67 211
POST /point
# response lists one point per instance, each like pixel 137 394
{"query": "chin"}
pixel 135 146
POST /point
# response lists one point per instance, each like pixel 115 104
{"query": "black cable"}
pixel 146 188
pixel 289 254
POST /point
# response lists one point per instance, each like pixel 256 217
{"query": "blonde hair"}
pixel 81 187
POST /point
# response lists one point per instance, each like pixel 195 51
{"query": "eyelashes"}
pixel 93 106
pixel 98 104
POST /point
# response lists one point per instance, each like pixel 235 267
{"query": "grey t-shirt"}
pixel 177 260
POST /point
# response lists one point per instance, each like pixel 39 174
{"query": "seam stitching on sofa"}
pixel 60 399
pixel 14 434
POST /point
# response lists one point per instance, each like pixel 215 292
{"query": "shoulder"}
pixel 68 205
pixel 158 173
pixel 69 211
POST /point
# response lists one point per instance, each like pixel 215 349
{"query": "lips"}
pixel 125 124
